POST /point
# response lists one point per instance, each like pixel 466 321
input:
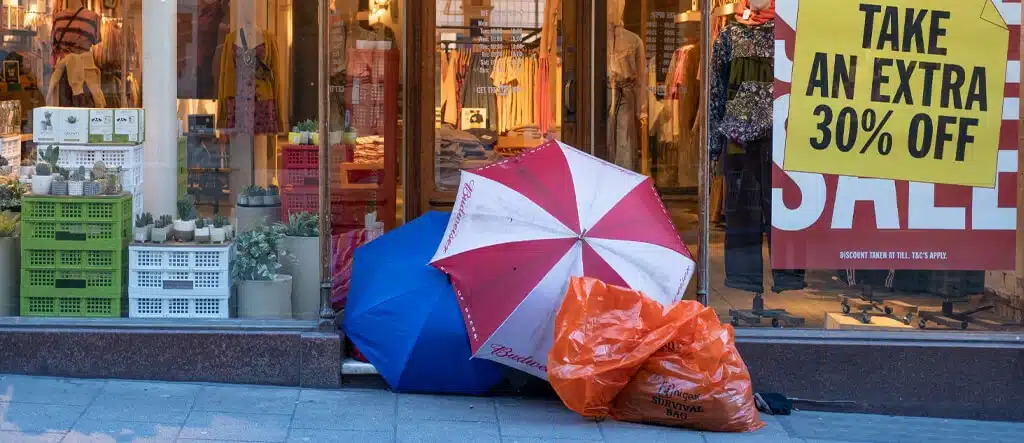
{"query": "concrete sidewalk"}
pixel 39 409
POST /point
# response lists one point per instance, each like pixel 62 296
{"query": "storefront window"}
pixel 93 241
pixel 498 83
pixel 837 216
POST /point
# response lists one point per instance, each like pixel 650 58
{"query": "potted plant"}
pixel 302 241
pixel 202 230
pixel 42 180
pixel 143 227
pixel 5 168
pixel 256 196
pixel 243 197
pixel 302 133
pixel 9 263
pixel 113 184
pixel 262 291
pixel 11 192
pixel 60 183
pixel 27 167
pixel 218 232
pixel 160 229
pixel 185 225
pixel 77 182
pixel 273 197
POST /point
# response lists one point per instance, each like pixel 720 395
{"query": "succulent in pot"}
pixel 161 228
pixel 77 182
pixel 257 196
pixel 113 184
pixel 42 180
pixel 185 224
pixel 218 232
pixel 243 197
pixel 262 291
pixel 273 197
pixel 202 230
pixel 142 232
pixel 60 184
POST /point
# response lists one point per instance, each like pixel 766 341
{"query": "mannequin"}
pixel 740 108
pixel 627 88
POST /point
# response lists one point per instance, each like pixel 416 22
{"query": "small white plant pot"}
pixel 218 235
pixel 41 184
pixel 140 235
pixel 243 200
pixel 75 188
pixel 202 235
pixel 159 235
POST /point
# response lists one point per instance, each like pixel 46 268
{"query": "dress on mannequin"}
pixel 741 109
pixel 627 86
pixel 248 97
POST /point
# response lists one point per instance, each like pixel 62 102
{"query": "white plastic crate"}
pixel 147 257
pixel 11 150
pixel 129 158
pixel 173 304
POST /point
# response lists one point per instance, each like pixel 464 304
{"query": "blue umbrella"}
pixel 403 316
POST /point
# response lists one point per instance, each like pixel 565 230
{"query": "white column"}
pixel 159 95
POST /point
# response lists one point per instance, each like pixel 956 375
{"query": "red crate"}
pixel 291 179
pixel 293 201
pixel 300 157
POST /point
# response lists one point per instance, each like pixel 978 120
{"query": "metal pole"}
pixel 323 115
pixel 704 160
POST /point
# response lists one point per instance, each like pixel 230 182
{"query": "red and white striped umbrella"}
pixel 521 227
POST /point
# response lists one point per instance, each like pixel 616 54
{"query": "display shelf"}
pixel 186 280
pixel 129 158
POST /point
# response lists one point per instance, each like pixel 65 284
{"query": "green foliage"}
pixel 79 174
pixel 302 224
pixel 305 126
pixel 259 254
pixel 187 209
pixel 273 190
pixel 255 191
pixel 43 169
pixel 113 185
pixel 163 222
pixel 51 155
pixel 11 193
pixel 9 224
pixel 220 221
pixel 200 223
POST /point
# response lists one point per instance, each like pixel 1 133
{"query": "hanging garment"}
pixel 678 122
pixel 627 85
pixel 449 90
pixel 76 82
pixel 748 216
pixel 741 103
pixel 74 31
pixel 248 98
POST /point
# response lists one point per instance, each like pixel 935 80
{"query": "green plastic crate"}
pixel 73 259
pixel 84 223
pixel 96 305
pixel 73 282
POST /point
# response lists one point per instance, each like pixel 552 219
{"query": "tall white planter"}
pixel 9 278
pixel 265 299
pixel 303 264
pixel 41 184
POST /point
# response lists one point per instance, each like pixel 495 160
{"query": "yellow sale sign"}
pixel 898 89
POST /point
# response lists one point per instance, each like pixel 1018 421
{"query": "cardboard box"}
pixel 45 121
pixel 74 126
pixel 129 125
pixel 101 126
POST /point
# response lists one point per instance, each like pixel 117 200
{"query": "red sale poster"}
pixel 822 221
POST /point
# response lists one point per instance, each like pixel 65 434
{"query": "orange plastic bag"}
pixel 618 353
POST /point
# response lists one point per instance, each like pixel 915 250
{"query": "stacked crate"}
pixel 74 255
pixel 300 192
pixel 180 281
pixel 299 179
pixel 127 157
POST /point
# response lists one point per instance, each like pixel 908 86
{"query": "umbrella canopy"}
pixel 521 227
pixel 403 316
